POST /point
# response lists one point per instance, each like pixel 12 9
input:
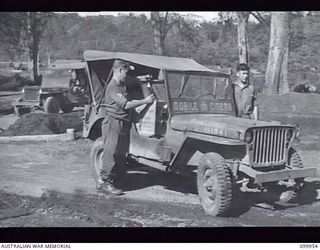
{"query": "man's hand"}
pixel 149 99
pixel 136 103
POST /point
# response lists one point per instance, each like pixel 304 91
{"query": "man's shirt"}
pixel 116 97
pixel 244 97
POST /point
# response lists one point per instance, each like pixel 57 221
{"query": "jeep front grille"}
pixel 269 146
pixel 31 94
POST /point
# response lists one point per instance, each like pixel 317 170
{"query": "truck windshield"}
pixel 201 93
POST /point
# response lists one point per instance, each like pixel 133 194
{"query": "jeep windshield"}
pixel 57 78
pixel 200 93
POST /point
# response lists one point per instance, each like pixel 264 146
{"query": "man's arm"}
pixel 136 103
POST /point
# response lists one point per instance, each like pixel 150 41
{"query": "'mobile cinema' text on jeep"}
pixel 192 128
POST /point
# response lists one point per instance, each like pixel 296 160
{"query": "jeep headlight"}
pixel 22 90
pixel 40 91
pixel 248 137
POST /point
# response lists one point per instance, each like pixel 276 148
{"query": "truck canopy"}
pixel 152 61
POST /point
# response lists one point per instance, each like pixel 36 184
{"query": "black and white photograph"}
pixel 161 119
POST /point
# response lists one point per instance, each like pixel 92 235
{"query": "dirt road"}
pixel 49 184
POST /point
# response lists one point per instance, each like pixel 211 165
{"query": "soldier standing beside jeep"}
pixel 116 125
pixel 244 93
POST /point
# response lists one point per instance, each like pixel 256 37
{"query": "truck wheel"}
pixel 51 105
pixel 96 155
pixel 67 108
pixel 214 184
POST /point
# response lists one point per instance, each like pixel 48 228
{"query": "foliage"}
pixel 211 43
pixel 23 32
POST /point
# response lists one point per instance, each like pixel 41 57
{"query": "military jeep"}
pixel 192 128
pixel 54 93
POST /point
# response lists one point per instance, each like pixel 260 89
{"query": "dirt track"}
pixel 49 184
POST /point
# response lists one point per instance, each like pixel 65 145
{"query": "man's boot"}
pixel 108 188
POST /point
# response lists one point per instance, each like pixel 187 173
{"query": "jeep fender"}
pixel 195 145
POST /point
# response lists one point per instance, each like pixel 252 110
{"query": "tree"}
pixel 23 31
pixel 277 67
pixel 161 24
pixel 35 25
pixel 243 18
pixel 11 33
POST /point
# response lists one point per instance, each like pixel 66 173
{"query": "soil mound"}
pixel 13 83
pixel 42 124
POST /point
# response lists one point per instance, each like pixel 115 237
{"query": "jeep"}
pixel 192 128
pixel 54 93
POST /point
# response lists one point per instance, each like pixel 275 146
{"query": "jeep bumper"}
pixel 24 103
pixel 278 175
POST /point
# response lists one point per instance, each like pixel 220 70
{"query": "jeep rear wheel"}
pixel 52 105
pixel 214 184
pixel 96 155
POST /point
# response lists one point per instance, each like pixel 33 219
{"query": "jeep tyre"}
pixel 96 155
pixel 67 108
pixel 289 194
pixel 294 160
pixel 214 182
pixel 52 105
pixel 19 111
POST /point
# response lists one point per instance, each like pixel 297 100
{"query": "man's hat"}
pixel 122 64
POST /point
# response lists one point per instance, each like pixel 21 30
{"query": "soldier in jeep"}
pixel 244 93
pixel 77 86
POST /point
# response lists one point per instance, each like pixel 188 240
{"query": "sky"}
pixel 202 15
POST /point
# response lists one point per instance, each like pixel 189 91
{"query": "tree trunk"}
pixel 35 53
pixel 158 42
pixel 277 67
pixel 159 36
pixel 284 85
pixel 242 36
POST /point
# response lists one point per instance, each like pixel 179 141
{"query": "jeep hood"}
pixel 218 125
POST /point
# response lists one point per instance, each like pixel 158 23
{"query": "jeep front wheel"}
pixel 214 184
pixel 52 105
pixel 96 155
pixel 288 194
pixel 67 108
pixel 19 111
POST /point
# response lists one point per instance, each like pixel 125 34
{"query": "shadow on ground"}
pixel 308 194
pixel 139 179
pixel 242 202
